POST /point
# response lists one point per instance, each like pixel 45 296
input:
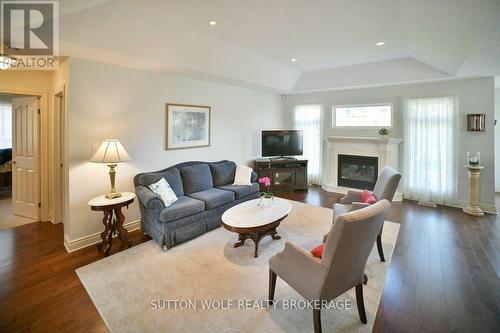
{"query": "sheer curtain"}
pixel 308 119
pixel 5 124
pixel 430 167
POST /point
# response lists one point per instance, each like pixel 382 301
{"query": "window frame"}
pixel 334 115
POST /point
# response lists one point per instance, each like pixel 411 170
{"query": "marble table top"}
pixel 103 201
pixel 249 214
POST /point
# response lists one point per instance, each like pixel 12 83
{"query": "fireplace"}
pixel 357 171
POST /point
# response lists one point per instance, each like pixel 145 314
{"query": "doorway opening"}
pixel 58 158
pixel 19 160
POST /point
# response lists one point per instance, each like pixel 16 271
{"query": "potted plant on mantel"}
pixel 265 196
pixel 384 132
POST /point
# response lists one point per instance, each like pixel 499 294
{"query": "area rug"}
pixel 206 285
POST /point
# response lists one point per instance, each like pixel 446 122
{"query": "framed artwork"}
pixel 187 126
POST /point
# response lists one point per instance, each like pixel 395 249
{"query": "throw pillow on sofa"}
pixel 243 175
pixel 164 191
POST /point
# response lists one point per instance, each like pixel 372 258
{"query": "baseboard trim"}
pixel 489 209
pixel 80 243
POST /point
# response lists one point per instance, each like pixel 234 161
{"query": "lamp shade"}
pixel 110 151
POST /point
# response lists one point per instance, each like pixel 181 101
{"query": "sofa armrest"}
pixel 351 196
pixel 148 198
pixel 253 178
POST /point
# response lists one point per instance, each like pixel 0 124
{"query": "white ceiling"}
pixel 333 41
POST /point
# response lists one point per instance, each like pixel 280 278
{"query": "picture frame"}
pixel 187 126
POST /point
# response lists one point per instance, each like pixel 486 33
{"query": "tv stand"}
pixel 282 158
pixel 286 174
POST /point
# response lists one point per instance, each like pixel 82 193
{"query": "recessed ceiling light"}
pixel 212 22
pixel 380 43
pixel 293 60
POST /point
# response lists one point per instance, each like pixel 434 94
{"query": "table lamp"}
pixel 111 152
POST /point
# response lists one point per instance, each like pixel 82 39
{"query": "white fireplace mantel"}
pixel 386 149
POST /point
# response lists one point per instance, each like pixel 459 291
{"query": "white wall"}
pixel 497 137
pixel 115 102
pixel 474 96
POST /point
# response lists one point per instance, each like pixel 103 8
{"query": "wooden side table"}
pixel 474 173
pixel 113 219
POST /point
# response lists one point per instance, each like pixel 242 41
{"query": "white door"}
pixel 25 156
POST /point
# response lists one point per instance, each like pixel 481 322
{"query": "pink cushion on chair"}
pixel 318 251
pixel 368 197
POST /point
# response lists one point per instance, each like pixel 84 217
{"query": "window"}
pixel 362 116
pixel 5 124
pixel 430 167
pixel 308 119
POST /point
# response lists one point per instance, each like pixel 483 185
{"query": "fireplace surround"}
pixel 385 150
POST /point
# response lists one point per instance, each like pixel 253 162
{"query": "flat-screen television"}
pixel 282 143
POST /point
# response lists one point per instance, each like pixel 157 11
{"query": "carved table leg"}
pixel 112 229
pixel 256 239
pixel 241 240
pixel 274 235
pixel 256 235
pixel 122 232
pixel 107 234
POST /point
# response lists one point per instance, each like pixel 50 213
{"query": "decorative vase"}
pixel 265 202
pixel 473 158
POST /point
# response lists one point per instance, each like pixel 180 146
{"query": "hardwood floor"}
pixel 444 274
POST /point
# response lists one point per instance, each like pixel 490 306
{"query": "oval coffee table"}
pixel 250 220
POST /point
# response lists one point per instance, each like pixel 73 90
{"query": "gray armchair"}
pixel 341 266
pixel 385 187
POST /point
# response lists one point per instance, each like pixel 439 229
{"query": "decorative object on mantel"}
pixel 111 152
pixel 187 126
pixel 474 173
pixel 384 132
pixel 473 158
pixel 265 196
pixel 476 122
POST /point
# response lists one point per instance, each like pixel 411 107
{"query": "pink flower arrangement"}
pixel 265 181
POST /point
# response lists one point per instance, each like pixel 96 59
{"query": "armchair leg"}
pixel 317 320
pixel 272 286
pixel 361 304
pixel 379 248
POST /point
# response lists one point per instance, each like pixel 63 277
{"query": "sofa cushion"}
pixel 184 206
pixel 213 197
pixel 241 191
pixel 223 172
pixel 172 176
pixel 196 178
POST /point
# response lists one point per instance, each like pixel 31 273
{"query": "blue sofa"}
pixel 205 191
